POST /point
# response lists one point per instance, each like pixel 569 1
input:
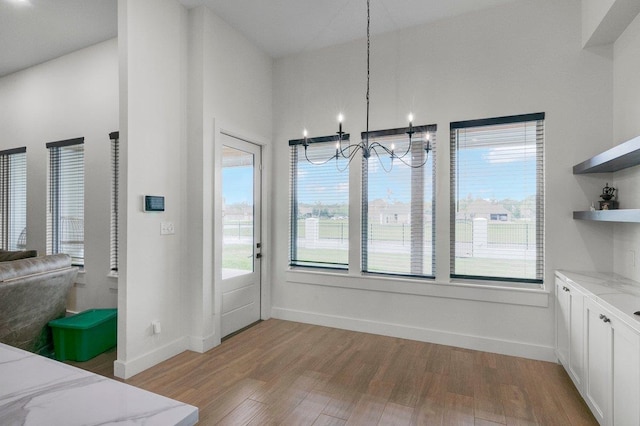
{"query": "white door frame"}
pixel 222 135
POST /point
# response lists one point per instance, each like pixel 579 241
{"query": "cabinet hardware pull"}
pixel 604 318
pixel 565 288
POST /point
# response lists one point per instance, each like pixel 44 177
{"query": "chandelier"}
pixel 348 152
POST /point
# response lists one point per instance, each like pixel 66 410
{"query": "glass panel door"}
pixel 240 200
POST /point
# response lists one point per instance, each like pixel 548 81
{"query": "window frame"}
pixel 539 118
pixel 114 138
pixel 431 130
pixel 8 195
pixel 294 145
pixel 54 197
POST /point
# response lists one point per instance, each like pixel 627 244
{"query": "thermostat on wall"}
pixel 153 203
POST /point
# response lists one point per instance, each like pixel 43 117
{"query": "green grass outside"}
pixel 509 268
pixel 237 256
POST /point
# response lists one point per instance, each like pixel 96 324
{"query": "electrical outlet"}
pixel 166 228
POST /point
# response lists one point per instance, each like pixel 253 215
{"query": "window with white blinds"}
pixel 13 199
pixel 115 187
pixel 65 199
pixel 319 211
pixel 497 199
pixel 398 205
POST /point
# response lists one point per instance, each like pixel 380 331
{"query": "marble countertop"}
pixel 615 292
pixel 35 390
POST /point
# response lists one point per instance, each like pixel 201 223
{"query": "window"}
pixel 13 199
pixel 398 205
pixel 65 199
pixel 115 187
pixel 319 214
pixel 497 199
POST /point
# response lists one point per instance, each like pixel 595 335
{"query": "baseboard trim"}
pixel 128 369
pixel 203 344
pixel 505 347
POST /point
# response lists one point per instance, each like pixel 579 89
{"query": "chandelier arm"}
pixel 379 145
pixel 416 166
pixel 320 163
pixel 375 151
pixel 407 151
pixel 354 146
pixel 350 157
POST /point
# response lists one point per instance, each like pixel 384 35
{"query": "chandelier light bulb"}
pixel 304 133
pixel 410 117
pixel 340 118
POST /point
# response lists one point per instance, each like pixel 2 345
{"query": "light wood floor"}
pixel 281 372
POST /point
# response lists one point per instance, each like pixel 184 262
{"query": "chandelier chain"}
pixel 368 69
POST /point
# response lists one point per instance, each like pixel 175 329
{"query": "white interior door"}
pixel 241 189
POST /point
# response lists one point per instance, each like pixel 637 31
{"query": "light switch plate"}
pixel 166 228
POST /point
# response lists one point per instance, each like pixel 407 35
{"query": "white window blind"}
pixel 115 187
pixel 65 199
pixel 13 199
pixel 497 199
pixel 319 211
pixel 398 205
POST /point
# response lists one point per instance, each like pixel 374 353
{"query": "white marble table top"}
pixel 35 390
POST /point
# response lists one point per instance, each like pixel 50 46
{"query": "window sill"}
pixel 493 292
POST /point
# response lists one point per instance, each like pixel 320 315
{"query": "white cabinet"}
pixel 612 367
pixel 569 329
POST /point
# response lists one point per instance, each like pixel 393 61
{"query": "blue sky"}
pixel 237 184
pixel 328 185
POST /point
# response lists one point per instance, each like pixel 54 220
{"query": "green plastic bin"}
pixel 85 335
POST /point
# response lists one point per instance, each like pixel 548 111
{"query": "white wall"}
pixel 521 58
pixel 153 96
pixel 626 119
pixel 185 75
pixel 229 89
pixel 72 96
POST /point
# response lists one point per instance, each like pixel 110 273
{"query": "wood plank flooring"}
pixel 287 373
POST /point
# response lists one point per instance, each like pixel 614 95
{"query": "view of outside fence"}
pixel 237 212
pixel 497 168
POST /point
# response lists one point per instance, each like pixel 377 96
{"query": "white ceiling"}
pixel 35 31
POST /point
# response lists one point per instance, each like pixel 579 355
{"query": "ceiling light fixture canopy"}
pixel 348 152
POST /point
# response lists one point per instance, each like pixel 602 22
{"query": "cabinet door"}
pixel 598 361
pixel 569 330
pixel 562 322
pixel 626 374
pixel 576 335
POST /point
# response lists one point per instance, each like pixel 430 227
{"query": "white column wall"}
pixel 626 114
pixel 523 57
pixel 153 83
pixel 230 89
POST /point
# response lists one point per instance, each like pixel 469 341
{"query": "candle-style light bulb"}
pixel 304 133
pixel 410 118
pixel 337 149
pixel 393 147
pixel 340 118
